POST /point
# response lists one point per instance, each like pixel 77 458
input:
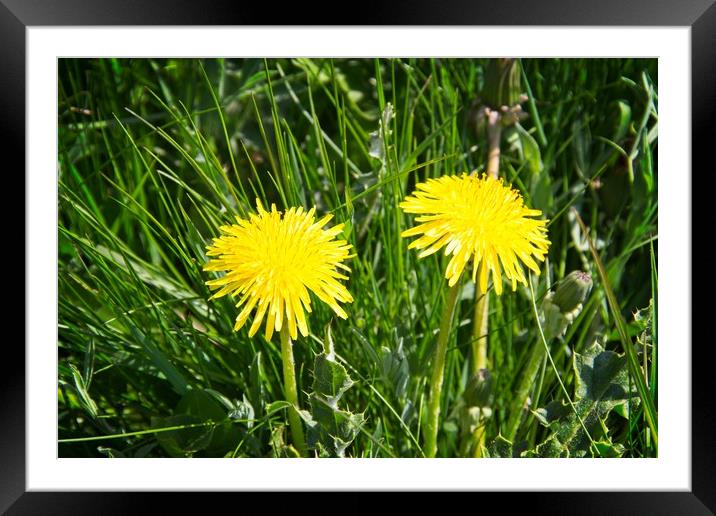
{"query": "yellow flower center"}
pixel 479 218
pixel 272 260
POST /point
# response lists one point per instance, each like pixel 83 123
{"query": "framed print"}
pixel 420 256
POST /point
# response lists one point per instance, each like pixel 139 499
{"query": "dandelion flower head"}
pixel 272 261
pixel 480 218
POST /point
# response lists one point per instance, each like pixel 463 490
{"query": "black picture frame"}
pixel 700 15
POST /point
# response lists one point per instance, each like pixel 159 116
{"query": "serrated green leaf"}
pixel 608 449
pixel 333 428
pixel 500 448
pixel 243 411
pixel 551 448
pixel 601 384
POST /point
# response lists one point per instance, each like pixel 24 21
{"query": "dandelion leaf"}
pixel 601 385
pixel 500 448
pixel 333 428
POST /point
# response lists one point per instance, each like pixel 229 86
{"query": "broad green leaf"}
pixel 552 447
pixel 500 448
pixel 334 428
pixel 601 384
pixel 608 449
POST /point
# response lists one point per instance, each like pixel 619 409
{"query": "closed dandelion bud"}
pixel 478 391
pixel 572 291
pixel 502 83
pixel 474 406
pixel 560 308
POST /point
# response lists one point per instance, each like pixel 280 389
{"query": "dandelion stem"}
pixel 291 392
pixel 479 329
pixel 436 381
pixel 494 133
pixel 479 352
pixel 519 401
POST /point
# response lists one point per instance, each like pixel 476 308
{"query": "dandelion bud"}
pixel 475 406
pixel 502 83
pixel 478 391
pixel 561 307
pixel 572 290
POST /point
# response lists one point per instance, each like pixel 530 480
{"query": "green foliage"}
pixel 500 448
pixel 155 154
pixel 601 383
pixel 334 428
pixel 474 407
pixel 213 432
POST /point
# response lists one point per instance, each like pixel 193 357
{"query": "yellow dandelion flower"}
pixel 480 218
pixel 272 261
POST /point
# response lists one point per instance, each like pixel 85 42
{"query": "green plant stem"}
pixel 534 361
pixel 480 326
pixel 291 393
pixel 479 352
pixel 478 438
pixel 436 380
pixel 479 329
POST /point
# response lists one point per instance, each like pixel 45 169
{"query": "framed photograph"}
pixel 416 256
